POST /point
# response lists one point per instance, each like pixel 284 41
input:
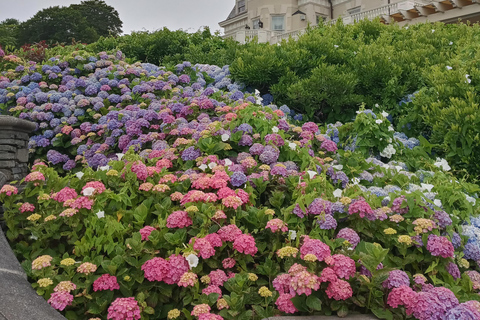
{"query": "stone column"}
pixel 14 147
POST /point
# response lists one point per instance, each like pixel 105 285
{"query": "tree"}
pixel 102 17
pixel 85 22
pixel 57 24
pixel 9 32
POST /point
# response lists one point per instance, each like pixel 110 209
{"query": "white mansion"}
pixel 274 20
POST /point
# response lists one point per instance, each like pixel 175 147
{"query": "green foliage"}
pixel 171 47
pixel 8 32
pixel 85 22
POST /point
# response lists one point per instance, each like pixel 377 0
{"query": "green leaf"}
pixel 382 313
pixel 314 303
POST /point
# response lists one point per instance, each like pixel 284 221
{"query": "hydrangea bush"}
pixel 182 201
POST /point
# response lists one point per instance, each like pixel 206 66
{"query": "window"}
pixel 255 23
pixel 320 18
pixel 278 23
pixel 241 6
pixel 354 10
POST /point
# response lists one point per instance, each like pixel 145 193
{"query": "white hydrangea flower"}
pixel 443 164
pixel 385 114
pixel 472 200
pixel 88 191
pixel 311 174
pixel 79 174
pixel 449 68
pixel 390 128
pixel 228 162
pixel 337 193
pixel 292 145
pixel 468 79
pixel 355 181
pixel 192 260
pixel 427 187
pixel 212 165
pixel 103 168
pixel 225 137
pixel 275 129
pixel 120 156
pixel 100 214
pixel 378 121
pixel 203 167
pixel 388 152
pixel 338 167
pixel 437 202
pixel 292 234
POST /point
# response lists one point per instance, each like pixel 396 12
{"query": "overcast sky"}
pixel 138 15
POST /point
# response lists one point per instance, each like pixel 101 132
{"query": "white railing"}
pixel 294 34
pixel 386 10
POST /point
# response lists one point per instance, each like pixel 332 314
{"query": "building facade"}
pixel 274 20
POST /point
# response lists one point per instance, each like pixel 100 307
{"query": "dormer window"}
pixel 241 6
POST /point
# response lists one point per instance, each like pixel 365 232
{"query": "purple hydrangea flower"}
pixel 350 235
pixel 190 154
pixel 327 222
pixel 396 279
pixel 238 179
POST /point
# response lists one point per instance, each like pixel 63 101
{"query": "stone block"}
pixel 7 173
pixel 7 164
pixel 3 179
pixel 5 148
pixel 7 156
pixel 22 155
pixel 350 316
pixel 13 142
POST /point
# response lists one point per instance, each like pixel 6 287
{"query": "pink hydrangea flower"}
pixel 60 300
pixel 204 247
pixel 179 219
pixel 146 186
pixel 310 126
pixel 228 263
pixel 229 232
pixel 343 266
pixel 212 289
pixel 200 309
pixel 440 246
pixel 282 283
pixel 214 240
pixel 243 195
pixel 303 283
pixel 315 247
pixel 339 290
pixel 87 268
pixel 27 207
pixel 209 316
pixel 284 303
pixel 188 279
pixel 83 202
pixel 328 275
pixel 329 145
pixel 65 194
pixel 225 192
pixel 217 277
pixel 106 282
pixel 8 190
pixel 401 296
pixel 145 232
pixel 155 269
pixel 97 185
pixel 232 202
pixel 177 266
pixel 361 207
pixel 276 224
pixel 245 243
pixel 140 169
pixel 35 177
pixel 124 309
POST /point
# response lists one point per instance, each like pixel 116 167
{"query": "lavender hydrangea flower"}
pixel 190 154
pixel 238 179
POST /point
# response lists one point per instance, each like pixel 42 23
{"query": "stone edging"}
pixel 18 300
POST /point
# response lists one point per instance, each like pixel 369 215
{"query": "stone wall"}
pixel 14 148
